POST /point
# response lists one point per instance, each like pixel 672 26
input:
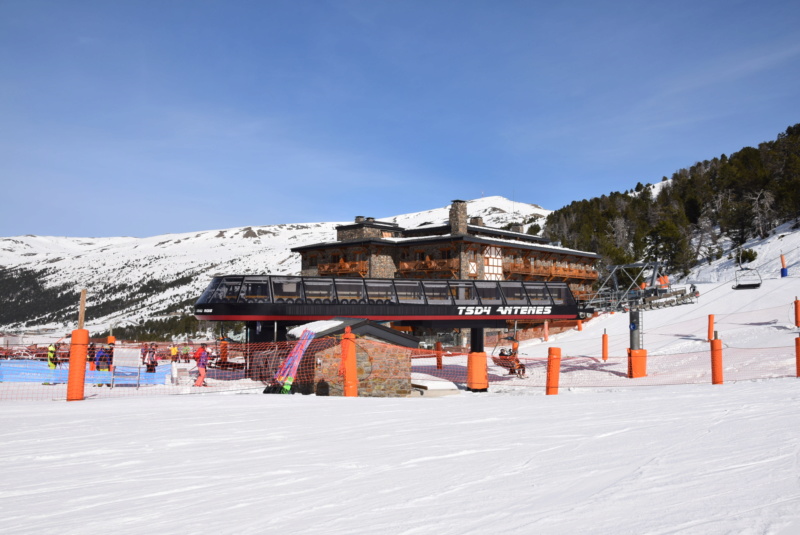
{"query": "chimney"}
pixel 458 217
pixel 476 221
pixel 370 220
pixel 359 219
pixel 516 227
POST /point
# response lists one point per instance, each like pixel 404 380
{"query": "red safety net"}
pixel 387 370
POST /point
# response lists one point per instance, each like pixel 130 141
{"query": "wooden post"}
pixel 78 350
pixel 716 361
pixel 710 327
pixel 82 309
pixel 349 363
pixel 438 355
pixel 605 347
pixel 553 370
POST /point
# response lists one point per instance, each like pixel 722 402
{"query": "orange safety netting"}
pixel 388 370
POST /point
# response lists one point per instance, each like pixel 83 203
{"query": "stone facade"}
pixel 458 218
pixel 383 370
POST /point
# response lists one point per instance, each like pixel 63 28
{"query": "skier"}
pixel 201 356
pixel 52 356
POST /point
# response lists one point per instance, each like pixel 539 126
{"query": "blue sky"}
pixel 140 118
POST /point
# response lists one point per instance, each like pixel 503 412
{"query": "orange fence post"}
pixel 796 312
pixel 553 370
pixel 605 347
pixel 637 363
pixel 546 330
pixel 716 361
pixel 78 349
pixel 438 355
pixel 710 327
pixel 349 363
pixel 580 325
pixel 797 354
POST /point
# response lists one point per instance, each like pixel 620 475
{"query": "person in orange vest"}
pixel 201 356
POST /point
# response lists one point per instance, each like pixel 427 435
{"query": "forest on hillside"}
pixel 702 213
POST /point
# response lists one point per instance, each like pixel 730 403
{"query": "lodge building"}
pixel 463 248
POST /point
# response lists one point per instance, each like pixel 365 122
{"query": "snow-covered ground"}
pixel 695 458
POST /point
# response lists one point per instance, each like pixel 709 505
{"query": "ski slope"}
pixel 702 458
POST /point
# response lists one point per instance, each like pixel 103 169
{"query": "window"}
pixel 537 293
pixel 319 290
pixel 463 292
pixel 489 293
pixel 255 290
pixel 380 291
pixel 409 291
pixel 209 291
pixel 437 292
pixel 351 291
pixel 287 289
pixel 514 293
pixel 228 290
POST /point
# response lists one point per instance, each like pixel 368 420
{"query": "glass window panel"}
pixel 464 292
pixel 351 290
pixel 287 289
pixel 409 291
pixel 380 290
pixel 489 292
pixel 255 290
pixel 319 290
pixel 209 291
pixel 227 291
pixel 514 293
pixel 561 294
pixel 437 292
pixel 537 293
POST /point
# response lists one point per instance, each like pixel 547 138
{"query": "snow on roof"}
pixel 314 326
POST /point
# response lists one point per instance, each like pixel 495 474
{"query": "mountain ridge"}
pixel 131 280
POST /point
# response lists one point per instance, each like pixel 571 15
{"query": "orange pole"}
pixel 797 354
pixel 477 372
pixel 716 361
pixel 580 325
pixel 438 355
pixel 796 312
pixel 546 330
pixel 710 327
pixel 349 363
pixel 78 349
pixel 637 363
pixel 553 370
pixel 783 262
pixel 605 347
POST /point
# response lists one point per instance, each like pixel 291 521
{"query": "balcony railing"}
pixel 359 267
pixel 426 266
pixel 549 272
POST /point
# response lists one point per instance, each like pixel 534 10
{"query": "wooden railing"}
pixel 360 267
pixel 549 272
pixel 449 264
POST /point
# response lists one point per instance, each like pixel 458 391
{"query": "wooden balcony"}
pixel 449 265
pixel 360 268
pixel 549 273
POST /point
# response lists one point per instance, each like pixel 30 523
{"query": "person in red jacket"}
pixel 201 356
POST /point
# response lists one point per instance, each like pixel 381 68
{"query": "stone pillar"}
pixel 458 217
